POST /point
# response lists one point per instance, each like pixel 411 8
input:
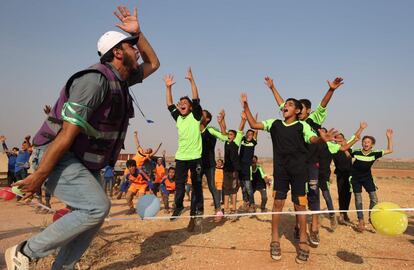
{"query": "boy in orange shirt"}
pixel 168 187
pixel 138 185
pixel 159 175
pixel 219 176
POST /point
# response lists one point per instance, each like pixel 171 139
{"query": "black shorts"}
pixel 230 184
pixel 368 184
pixel 291 175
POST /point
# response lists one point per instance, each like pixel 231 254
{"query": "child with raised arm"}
pixel 315 119
pixel 187 113
pixel 343 167
pixel 143 156
pixel 325 158
pixel 289 137
pixel 11 156
pixel 247 146
pixel 209 137
pixel 361 172
pixel 231 163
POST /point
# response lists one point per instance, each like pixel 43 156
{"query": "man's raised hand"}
pixel 129 22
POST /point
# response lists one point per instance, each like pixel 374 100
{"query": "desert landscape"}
pixel 241 243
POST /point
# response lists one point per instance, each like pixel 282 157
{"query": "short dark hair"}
pixel 324 129
pixel 255 157
pixel 209 116
pixel 171 168
pixel 109 55
pixel 15 148
pixel 232 131
pixel 188 99
pixel 369 137
pixel 220 160
pixel 250 130
pixel 130 163
pixel 296 102
pixel 306 102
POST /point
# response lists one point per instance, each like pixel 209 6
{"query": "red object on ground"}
pixel 60 213
pixel 7 194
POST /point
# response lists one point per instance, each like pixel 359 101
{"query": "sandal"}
pixel 275 251
pixel 303 255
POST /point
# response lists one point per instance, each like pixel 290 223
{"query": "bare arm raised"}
pixel 130 24
pixel 390 147
pixel 252 121
pixel 194 89
pixel 169 82
pixel 335 84
pixel 271 85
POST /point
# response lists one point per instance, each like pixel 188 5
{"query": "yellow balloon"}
pixel 389 222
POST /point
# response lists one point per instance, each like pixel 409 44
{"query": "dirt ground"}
pixel 239 244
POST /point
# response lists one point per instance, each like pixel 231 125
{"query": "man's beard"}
pixel 128 62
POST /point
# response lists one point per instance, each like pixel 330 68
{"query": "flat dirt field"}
pixel 237 244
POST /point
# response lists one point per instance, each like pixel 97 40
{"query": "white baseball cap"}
pixel 112 38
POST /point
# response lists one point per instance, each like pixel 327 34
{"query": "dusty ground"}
pixel 240 244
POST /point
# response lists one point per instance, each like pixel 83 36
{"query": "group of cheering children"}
pixel 302 153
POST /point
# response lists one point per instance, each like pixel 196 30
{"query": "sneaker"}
pixel 232 212
pixel 296 234
pixel 341 220
pixel 16 260
pixel 303 254
pixel 246 206
pixel 198 220
pixel 275 251
pixel 191 225
pixel 334 224
pixel 314 238
pixel 346 218
pixel 177 212
pixel 252 209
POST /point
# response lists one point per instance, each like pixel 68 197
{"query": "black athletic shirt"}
pixel 343 163
pixel 289 140
pixel 247 151
pixel 231 157
pixel 257 177
pixel 361 168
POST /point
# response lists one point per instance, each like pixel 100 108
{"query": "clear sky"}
pixel 231 46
